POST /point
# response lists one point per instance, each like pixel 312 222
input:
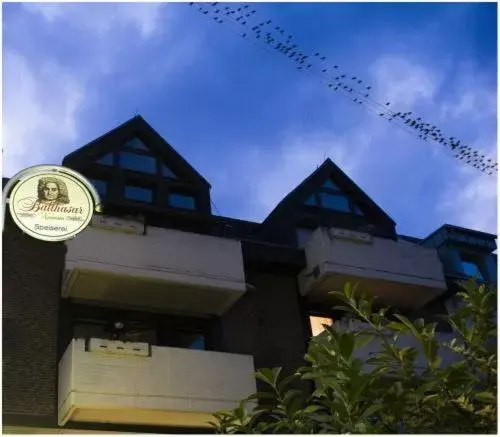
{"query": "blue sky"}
pixel 252 124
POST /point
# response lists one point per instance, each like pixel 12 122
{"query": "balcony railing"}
pixel 397 273
pixel 160 269
pixel 106 381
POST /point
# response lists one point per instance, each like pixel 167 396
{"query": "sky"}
pixel 245 118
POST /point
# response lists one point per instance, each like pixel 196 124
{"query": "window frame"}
pixel 139 184
pixel 474 259
pixel 139 153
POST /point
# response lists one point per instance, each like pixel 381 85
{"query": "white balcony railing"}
pixel 398 273
pixel 105 381
pixel 160 269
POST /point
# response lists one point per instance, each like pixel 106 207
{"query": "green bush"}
pixel 386 393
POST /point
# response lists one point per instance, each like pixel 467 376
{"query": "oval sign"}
pixel 51 206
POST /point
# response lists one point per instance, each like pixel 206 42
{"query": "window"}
pixel 182 201
pixel 166 172
pixel 100 186
pixel 317 324
pixel 106 159
pixel 139 194
pixel 470 268
pixel 191 340
pixel 331 185
pixel 335 202
pixel 131 331
pixel 136 143
pixel 89 330
pixel 311 201
pixel 136 162
pixel 303 235
pixel 356 210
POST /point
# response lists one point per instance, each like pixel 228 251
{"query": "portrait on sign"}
pixel 52 190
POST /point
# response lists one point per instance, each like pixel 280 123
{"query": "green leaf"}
pixel 409 326
pixel 269 376
pixel 429 397
pixel 372 409
pixel 312 409
pixel 286 381
pixel 486 397
pixel 261 395
pixel 347 342
pixel 290 395
pixel 396 326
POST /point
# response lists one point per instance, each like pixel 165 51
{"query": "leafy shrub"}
pixel 386 393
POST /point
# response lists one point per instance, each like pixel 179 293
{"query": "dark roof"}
pixel 444 227
pixel 136 126
pixel 310 184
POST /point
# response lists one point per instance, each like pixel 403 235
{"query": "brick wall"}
pixel 266 322
pixel 31 290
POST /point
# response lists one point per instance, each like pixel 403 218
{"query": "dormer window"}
pixel 166 172
pixel 330 197
pixel 137 162
pixel 471 268
pixel 106 159
pixel 182 201
pixel 137 144
pixel 331 185
pixel 335 202
pixel 138 194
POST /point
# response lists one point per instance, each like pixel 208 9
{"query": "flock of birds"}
pixel 242 20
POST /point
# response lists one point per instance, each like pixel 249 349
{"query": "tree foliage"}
pixel 387 393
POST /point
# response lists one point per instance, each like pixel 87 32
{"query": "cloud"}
pixel 470 199
pixel 101 18
pixel 476 100
pixel 264 175
pixel 403 82
pixel 380 157
pixel 40 111
pixel 44 98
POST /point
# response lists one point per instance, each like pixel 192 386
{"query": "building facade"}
pixel 159 312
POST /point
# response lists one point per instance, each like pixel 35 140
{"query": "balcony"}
pixel 104 381
pixel 162 269
pixel 398 273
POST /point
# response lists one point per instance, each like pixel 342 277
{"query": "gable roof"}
pixel 135 127
pixel 311 184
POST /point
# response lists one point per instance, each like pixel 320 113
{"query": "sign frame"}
pixel 57 172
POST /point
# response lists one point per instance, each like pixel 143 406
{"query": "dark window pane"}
pixel 330 184
pixel 357 211
pixel 165 171
pixel 106 159
pixel 181 201
pixel 89 330
pixel 471 269
pixel 198 343
pixel 136 143
pixel 138 193
pixel 187 340
pixel 141 163
pixel 337 203
pixel 100 186
pixel 311 201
